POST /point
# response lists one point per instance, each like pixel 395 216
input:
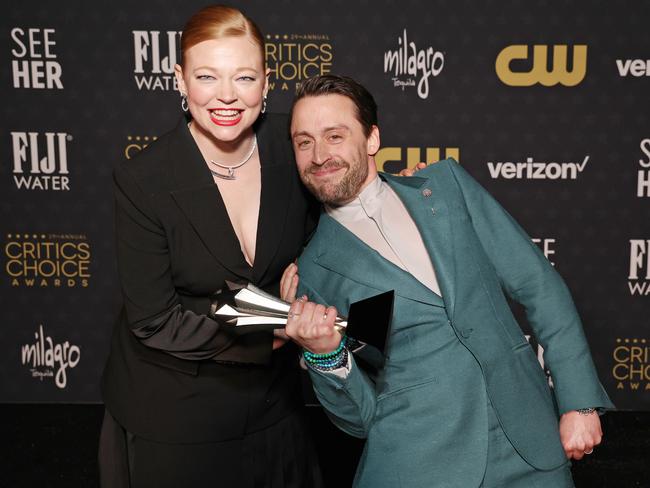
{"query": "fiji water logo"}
pixel 47 359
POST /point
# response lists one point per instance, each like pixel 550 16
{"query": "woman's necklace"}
pixel 231 169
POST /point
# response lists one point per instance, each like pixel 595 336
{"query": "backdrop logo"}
pixel 643 181
pixel 411 66
pixel 547 246
pixel 631 364
pixel 539 73
pixel 34 64
pixel 293 58
pixel 47 359
pixel 135 144
pixel 40 161
pixel 395 159
pixel 536 170
pixel 47 260
pixel 639 276
pixel 155 55
pixel 634 67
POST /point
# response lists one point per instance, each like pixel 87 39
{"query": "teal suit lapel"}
pixel 341 252
pixel 431 215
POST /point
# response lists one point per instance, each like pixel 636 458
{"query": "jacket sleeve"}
pixel 152 304
pixel 527 277
pixel 349 402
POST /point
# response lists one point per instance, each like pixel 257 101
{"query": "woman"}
pixel 188 402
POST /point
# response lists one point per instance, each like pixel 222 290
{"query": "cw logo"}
pixel 539 72
pixel 390 159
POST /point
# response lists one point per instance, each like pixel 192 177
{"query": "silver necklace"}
pixel 231 169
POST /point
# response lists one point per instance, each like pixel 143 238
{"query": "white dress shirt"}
pixel 379 219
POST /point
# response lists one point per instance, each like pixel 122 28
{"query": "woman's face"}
pixel 225 83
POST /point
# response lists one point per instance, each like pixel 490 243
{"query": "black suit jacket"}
pixel 173 374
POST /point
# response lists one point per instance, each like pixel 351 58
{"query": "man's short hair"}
pixel 347 87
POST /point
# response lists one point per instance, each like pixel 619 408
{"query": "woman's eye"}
pixel 205 77
pixel 246 78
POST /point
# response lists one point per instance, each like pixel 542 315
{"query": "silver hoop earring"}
pixel 264 105
pixel 184 105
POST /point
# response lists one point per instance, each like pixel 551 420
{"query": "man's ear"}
pixel 373 141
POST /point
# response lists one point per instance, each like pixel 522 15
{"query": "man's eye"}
pixel 335 137
pixel 304 144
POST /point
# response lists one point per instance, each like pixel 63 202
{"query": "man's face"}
pixel 332 151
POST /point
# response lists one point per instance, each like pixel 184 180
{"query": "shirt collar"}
pixel 366 204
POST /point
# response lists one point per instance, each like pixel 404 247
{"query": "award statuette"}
pixel 247 308
pixel 251 308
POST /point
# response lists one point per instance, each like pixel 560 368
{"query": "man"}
pixel 461 400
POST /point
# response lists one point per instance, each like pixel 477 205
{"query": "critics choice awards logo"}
pixel 293 58
pixel 40 160
pixel 639 275
pixel 412 67
pixel 155 55
pixel 135 144
pixel 34 63
pixel 537 170
pixel 631 368
pixel 47 359
pixel 515 66
pixel 643 175
pixel 47 260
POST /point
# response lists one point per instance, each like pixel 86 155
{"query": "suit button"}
pixel 465 333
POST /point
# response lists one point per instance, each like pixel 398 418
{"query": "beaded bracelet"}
pixel 330 364
pixel 330 360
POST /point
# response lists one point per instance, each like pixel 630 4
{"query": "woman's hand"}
pixel 312 326
pixel 280 338
pixel 412 171
pixel 289 283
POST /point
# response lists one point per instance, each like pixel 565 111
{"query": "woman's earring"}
pixel 184 103
pixel 264 104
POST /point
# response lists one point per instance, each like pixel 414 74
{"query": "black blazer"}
pixel 173 374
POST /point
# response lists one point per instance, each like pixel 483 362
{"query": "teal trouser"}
pixel 506 468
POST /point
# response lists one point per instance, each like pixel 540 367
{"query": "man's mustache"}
pixel 327 166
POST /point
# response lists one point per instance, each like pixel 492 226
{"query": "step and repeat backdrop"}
pixel 545 103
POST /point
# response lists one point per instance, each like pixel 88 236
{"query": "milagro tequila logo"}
pixel 47 359
pixel 411 66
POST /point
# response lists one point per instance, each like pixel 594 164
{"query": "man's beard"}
pixel 339 192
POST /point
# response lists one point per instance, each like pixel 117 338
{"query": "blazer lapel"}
pixel 341 252
pixel 199 199
pixel 426 206
pixel 277 187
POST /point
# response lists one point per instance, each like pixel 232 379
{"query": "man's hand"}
pixel 412 171
pixel 312 326
pixel 579 433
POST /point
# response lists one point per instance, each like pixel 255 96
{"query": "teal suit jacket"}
pixel 425 416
